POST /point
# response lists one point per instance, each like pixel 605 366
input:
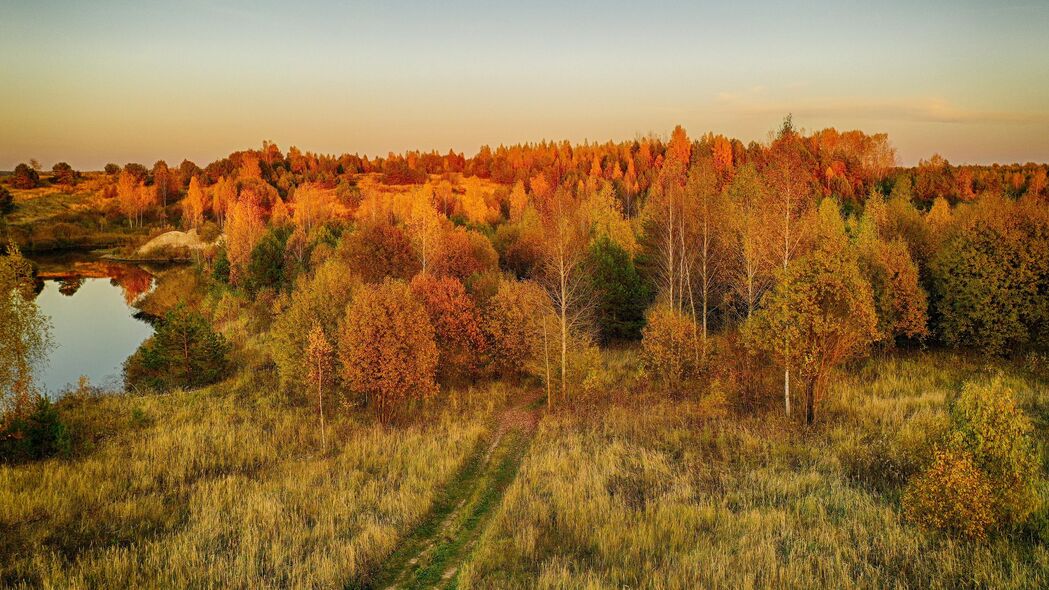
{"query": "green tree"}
pixel 621 294
pixel 985 286
pixel 821 312
pixel 25 332
pixel 268 267
pixel 184 352
pixel 63 173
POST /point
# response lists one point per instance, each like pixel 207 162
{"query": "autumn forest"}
pixel 675 361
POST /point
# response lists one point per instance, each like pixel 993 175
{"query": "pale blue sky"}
pixel 137 81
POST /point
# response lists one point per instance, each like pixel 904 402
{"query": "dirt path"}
pixel 431 556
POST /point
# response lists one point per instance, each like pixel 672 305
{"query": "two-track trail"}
pixel 431 556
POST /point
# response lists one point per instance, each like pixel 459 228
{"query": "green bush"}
pixel 989 425
pixel 184 352
pixel 38 434
pixel 988 472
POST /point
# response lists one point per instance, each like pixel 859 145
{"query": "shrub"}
pixel 669 348
pixel 184 352
pixel 988 472
pixel 515 318
pixel 989 425
pixel 6 200
pixel 38 434
pixel 387 349
pixel 25 177
pixel 952 496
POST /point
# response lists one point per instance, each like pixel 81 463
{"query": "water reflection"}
pixel 94 327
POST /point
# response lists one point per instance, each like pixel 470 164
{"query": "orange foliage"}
pixel 461 344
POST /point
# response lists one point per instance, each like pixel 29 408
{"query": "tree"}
pixel 25 177
pixel 461 343
pixel 899 299
pixel 184 352
pixel 25 333
pixel 321 300
pixel 521 328
pixel 985 285
pixel 378 250
pixel 749 275
pixel 321 362
pixel 820 313
pixel 194 205
pixel 267 265
pixel 312 206
pixel 386 348
pixel 460 253
pixel 243 231
pixel 790 187
pixel 112 169
pixel 165 181
pixel 668 348
pixel 128 196
pixel 563 273
pixel 707 208
pixel 621 294
pixel 63 173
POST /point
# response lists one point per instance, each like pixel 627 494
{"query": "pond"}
pixel 94 326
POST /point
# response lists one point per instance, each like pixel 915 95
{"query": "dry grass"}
pixel 209 489
pixel 659 496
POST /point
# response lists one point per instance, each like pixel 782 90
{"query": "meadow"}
pixel 210 488
pixel 653 493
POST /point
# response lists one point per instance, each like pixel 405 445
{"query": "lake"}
pixel 94 328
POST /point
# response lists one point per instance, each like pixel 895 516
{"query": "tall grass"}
pixel 214 489
pixel 657 495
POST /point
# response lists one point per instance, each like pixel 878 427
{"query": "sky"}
pixel 137 81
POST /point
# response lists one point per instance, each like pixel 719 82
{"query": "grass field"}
pixel 658 494
pixel 62 218
pixel 211 489
pixel 225 487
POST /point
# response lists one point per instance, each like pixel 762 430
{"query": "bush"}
pixel 669 348
pixel 952 496
pixel 7 202
pixel 184 352
pixel 988 472
pixel 989 425
pixel 36 435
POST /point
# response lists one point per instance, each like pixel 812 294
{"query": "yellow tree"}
pixel 127 196
pixel 562 272
pixel 193 205
pixel 244 229
pixel 320 360
pixel 24 333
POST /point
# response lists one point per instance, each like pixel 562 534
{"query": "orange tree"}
pixel 461 344
pixel 386 348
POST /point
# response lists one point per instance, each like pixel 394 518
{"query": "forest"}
pixel 669 362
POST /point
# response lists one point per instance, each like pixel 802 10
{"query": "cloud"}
pixel 914 109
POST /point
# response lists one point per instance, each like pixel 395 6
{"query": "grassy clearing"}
pixel 209 488
pixel 60 218
pixel 660 495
